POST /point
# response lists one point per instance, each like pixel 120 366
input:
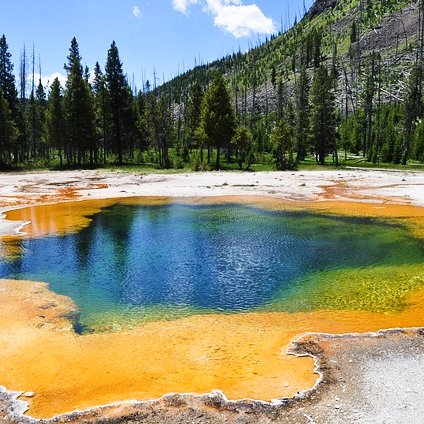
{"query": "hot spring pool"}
pixel 138 263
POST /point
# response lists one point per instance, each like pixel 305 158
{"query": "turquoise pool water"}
pixel 139 263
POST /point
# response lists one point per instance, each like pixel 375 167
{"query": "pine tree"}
pixel 217 116
pixel 100 108
pixel 317 49
pixel 35 117
pixel 41 105
pixel 368 107
pixel 323 126
pixel 282 141
pixel 10 95
pixel 274 77
pixel 130 123
pixel 55 122
pixel 31 119
pixel 142 122
pixel 243 142
pixel 116 86
pixel 302 114
pixel 193 112
pixel 90 140
pixel 7 77
pixel 79 112
pixel 8 132
pixel 418 145
pixel 159 124
pixel 413 109
pixel 353 32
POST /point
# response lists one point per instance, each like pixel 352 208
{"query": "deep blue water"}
pixel 176 259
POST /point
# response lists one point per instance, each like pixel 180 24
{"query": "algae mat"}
pixel 238 347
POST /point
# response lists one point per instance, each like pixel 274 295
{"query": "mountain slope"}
pixel 387 26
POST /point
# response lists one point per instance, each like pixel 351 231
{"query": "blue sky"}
pixel 165 35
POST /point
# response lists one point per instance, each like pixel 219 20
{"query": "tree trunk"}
pixel 218 159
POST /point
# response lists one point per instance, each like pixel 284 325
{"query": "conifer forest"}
pixel 342 85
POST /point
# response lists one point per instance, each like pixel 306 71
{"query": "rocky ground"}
pixel 24 189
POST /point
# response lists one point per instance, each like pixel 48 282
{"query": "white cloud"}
pixel 232 16
pixel 216 6
pixel 47 80
pixel 243 21
pixel 136 11
pixel 183 5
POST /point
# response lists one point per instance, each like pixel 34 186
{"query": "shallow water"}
pixel 137 263
pixel 376 282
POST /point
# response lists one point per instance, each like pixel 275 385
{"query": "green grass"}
pixel 362 163
pixel 264 165
pixel 144 169
pixel 307 165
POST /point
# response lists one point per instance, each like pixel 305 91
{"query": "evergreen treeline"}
pixel 313 103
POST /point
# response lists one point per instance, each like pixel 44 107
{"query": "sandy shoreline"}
pixel 330 404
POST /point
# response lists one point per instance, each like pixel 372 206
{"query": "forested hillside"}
pixel 345 82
